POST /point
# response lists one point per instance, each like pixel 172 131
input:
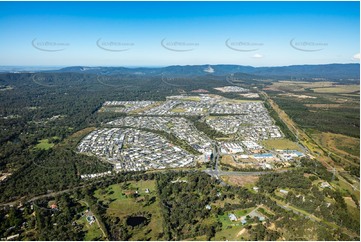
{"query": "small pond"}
pixel 135 221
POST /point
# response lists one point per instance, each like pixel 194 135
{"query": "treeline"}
pixel 205 128
pixel 291 179
pixel 286 131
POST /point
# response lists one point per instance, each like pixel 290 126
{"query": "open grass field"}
pixel 140 110
pixel 220 203
pixel 323 105
pixel 237 101
pixel 74 139
pixel 229 161
pixel 122 204
pixel 44 145
pixel 345 188
pixel 241 181
pixel 281 144
pixel 178 110
pixel 235 233
pixel 351 206
pixel 337 89
pixel 295 86
pixel 192 98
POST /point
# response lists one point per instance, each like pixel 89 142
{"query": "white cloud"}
pixel 258 56
pixel 209 69
pixel 356 56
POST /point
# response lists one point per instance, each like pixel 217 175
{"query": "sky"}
pixel 178 33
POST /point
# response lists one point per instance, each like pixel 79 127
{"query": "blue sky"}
pixel 178 33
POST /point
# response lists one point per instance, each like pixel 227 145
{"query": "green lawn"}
pixel 224 219
pixel 92 232
pixel 44 144
pixel 178 110
pixel 229 234
pixel 192 98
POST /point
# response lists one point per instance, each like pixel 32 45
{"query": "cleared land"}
pixel 295 86
pixel 281 144
pixel 344 146
pixel 44 144
pixel 241 180
pixel 323 105
pixel 229 161
pixel 178 110
pixel 338 89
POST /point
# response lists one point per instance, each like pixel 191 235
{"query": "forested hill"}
pixel 331 71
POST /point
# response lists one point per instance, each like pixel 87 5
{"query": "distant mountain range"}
pixel 329 71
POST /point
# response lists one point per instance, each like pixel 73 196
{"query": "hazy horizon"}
pixel 58 67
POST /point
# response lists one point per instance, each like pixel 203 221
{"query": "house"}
pixel 90 219
pixel 232 217
pixel 243 220
pixel 283 191
pixel 325 184
pixel 54 206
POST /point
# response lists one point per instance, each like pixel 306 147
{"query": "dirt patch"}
pixel 319 105
pixel 296 86
pixel 242 180
pixel 349 201
pixel 297 96
pixel 307 175
pixel 250 95
pixel 272 226
pixel 241 232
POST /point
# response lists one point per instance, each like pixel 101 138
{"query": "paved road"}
pixel 40 196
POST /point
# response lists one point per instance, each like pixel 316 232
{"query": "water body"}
pixel 135 221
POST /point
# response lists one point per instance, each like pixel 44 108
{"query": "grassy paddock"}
pixel 281 144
